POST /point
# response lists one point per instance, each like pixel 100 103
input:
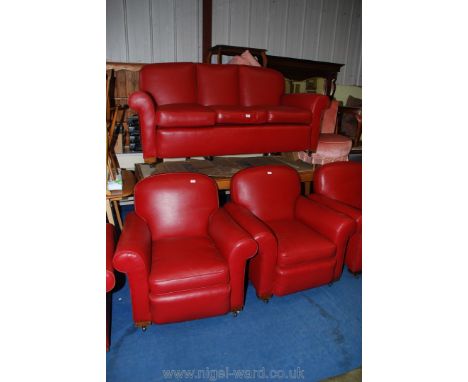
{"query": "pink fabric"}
pixel 331 148
pixel 238 60
pixel 249 58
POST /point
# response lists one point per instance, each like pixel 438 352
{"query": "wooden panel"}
pixel 115 31
pixel 295 28
pixel 313 17
pixel 277 27
pixel 187 30
pixel 240 22
pixel 163 30
pixel 327 30
pixel 259 15
pixel 139 31
pixel 343 24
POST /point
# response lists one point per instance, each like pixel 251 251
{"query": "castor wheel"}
pixel 265 300
pixel 143 328
pixel 235 313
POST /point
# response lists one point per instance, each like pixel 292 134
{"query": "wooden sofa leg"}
pixel 236 311
pixel 265 298
pixel 143 325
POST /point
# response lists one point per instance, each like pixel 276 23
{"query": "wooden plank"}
pixel 163 19
pixel 139 31
pixel 115 31
pixel 295 28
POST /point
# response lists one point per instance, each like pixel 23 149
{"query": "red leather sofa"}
pixel 184 256
pixel 339 187
pixel 188 109
pixel 301 243
pixel 110 278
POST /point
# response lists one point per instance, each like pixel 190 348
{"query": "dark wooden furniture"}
pixel 221 169
pixel 299 70
pixel 295 69
pixel 229 50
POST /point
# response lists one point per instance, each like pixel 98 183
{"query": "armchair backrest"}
pixel 270 192
pixel 176 204
pixel 341 181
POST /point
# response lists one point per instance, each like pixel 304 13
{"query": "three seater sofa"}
pixel 189 109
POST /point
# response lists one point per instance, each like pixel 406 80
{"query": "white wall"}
pixel 171 30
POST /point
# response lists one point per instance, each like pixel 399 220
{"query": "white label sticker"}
pixel 269 172
pixel 193 181
pixel 247 116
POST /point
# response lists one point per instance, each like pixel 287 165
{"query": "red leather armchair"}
pixel 110 278
pixel 184 256
pixel 187 109
pixel 301 243
pixel 339 187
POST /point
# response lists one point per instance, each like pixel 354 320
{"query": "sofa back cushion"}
pixel 269 192
pixel 260 86
pixel 170 82
pixel 217 84
pixel 177 204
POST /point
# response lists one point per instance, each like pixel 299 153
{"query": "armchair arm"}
pixel 133 257
pixel 237 247
pixel 316 103
pixel 262 266
pixel 144 105
pixel 334 225
pixel 110 246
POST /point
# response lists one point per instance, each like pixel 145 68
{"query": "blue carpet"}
pixel 309 335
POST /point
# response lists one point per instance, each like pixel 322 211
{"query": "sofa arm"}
pixel 144 105
pixel 262 266
pixel 237 247
pixel 334 225
pixel 316 103
pixel 133 257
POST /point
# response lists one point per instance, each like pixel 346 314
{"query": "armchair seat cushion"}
pixel 288 114
pixel 184 263
pixel 184 115
pixel 297 243
pixel 249 115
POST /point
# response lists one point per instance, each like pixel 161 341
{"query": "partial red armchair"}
pixel 339 186
pixel 183 255
pixel 110 278
pixel 301 243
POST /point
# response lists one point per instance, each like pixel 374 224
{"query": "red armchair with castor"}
pixel 183 255
pixel 110 278
pixel 301 243
pixel 339 186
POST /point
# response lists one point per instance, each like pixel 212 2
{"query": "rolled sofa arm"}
pixel 144 105
pixel 334 225
pixel 262 266
pixel 236 246
pixel 133 257
pixel 316 103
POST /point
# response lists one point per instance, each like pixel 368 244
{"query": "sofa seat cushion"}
pixel 184 263
pixel 248 115
pixel 352 212
pixel 184 115
pixel 298 244
pixel 288 114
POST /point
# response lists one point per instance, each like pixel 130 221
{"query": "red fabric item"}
pixel 301 243
pixel 252 115
pixel 338 186
pixel 184 115
pixel 184 257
